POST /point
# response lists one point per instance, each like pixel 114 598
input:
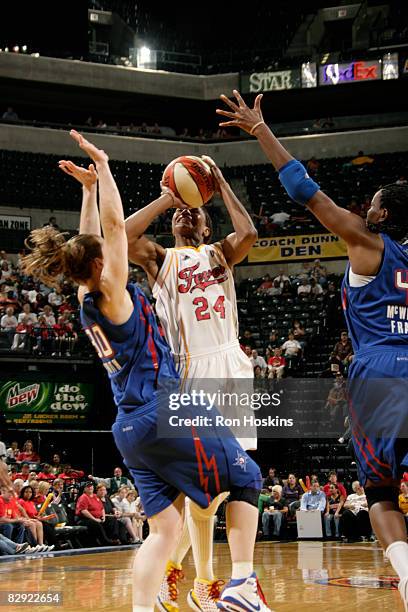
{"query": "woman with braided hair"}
pixel 375 304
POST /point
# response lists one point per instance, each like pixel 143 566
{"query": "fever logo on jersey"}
pixel 201 280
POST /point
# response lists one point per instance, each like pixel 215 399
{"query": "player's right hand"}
pixel 176 202
pixel 240 115
pixel 87 177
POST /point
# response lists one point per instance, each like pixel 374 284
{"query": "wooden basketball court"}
pixel 295 576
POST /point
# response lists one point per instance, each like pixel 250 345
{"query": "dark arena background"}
pixel 142 80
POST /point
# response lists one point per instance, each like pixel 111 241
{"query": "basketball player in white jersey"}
pixel 194 289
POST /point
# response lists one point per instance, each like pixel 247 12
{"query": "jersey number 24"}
pixel 201 312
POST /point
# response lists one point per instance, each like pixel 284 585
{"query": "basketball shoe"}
pixel 168 595
pixel 243 595
pixel 204 595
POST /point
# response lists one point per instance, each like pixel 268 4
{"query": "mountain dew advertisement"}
pixel 45 403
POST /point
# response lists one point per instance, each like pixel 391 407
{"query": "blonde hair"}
pixel 277 488
pixel 43 487
pixel 52 256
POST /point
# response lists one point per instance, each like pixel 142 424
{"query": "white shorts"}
pixel 225 365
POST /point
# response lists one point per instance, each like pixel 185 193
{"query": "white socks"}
pixel 242 569
pixel 202 533
pixel 397 553
pixel 183 546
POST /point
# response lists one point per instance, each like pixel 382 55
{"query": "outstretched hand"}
pixel 219 180
pixel 97 155
pixel 241 115
pixel 87 177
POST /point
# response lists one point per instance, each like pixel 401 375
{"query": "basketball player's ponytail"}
pixel 52 256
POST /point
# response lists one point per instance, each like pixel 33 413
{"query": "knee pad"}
pixel 245 494
pixel 201 514
pixel 379 494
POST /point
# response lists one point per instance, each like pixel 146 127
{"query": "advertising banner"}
pixel 15 222
pixel 45 403
pixel 288 248
pixel 353 72
pixel 270 81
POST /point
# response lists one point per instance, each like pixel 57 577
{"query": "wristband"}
pixel 298 184
pixel 253 128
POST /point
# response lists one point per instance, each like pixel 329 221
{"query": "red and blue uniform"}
pixel 139 365
pixel 377 320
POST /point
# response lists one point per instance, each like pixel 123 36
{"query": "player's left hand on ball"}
pixel 86 176
pixel 177 203
pixel 97 155
pixel 218 176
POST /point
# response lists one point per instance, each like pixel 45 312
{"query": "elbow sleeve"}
pixel 298 184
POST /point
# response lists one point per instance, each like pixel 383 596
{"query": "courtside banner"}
pixel 288 248
pixel 45 403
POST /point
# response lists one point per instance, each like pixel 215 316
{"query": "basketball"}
pixel 190 178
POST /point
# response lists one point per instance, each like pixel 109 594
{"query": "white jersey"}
pixel 196 305
pixel 195 300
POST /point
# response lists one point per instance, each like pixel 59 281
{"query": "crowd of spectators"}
pixel 39 320
pixel 344 514
pixel 283 353
pixel 144 130
pixel 52 505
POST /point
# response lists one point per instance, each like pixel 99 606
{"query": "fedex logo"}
pixel 332 74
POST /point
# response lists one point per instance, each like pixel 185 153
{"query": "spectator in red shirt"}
pixel 266 284
pixel 37 526
pixel 12 524
pixel 28 453
pixel 90 512
pixel 41 491
pixel 276 364
pixel 24 474
pixel 18 484
pixel 56 466
pixel 46 473
pixel 70 476
pixel 333 480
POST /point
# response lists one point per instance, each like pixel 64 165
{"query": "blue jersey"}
pixel 377 313
pixel 134 353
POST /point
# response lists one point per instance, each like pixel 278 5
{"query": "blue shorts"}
pixel 378 386
pixel 162 468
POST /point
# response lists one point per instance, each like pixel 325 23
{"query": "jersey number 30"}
pixel 201 312
pixel 100 341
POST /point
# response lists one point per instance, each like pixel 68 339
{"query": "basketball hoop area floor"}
pixel 295 576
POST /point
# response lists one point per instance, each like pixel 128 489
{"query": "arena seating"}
pixel 21 173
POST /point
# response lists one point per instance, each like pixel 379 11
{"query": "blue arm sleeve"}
pixel 298 184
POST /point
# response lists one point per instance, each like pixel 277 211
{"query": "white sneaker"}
pixel 204 595
pixel 243 595
pixel 403 589
pixel 33 549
